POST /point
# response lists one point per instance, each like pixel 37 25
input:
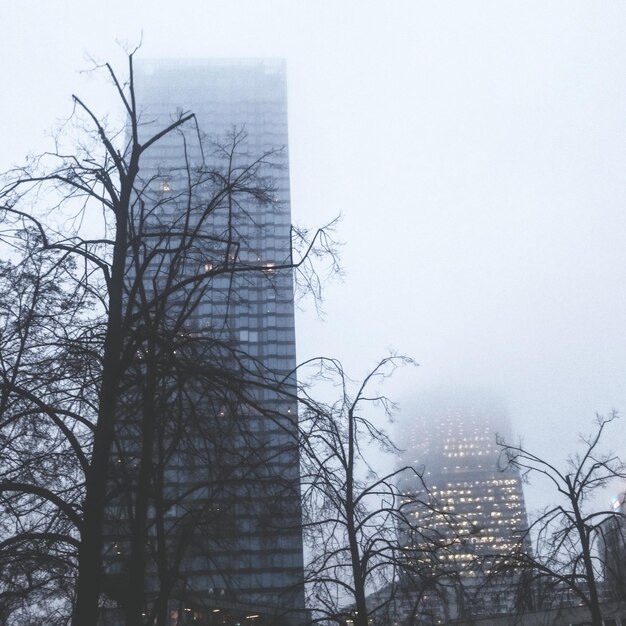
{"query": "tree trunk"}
pixel 90 552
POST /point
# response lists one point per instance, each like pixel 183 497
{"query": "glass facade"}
pixel 467 506
pixel 228 512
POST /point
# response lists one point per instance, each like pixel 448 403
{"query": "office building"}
pixel 468 507
pixel 612 548
pixel 226 514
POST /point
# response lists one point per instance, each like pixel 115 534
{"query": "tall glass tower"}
pixel 467 506
pixel 223 512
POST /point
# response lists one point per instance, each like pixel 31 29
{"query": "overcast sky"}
pixel 477 151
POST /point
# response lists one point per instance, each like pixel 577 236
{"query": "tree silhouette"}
pixel 352 513
pixel 110 386
pixel 565 560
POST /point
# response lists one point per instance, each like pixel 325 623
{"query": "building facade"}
pixel 467 513
pixel 612 548
pixel 210 271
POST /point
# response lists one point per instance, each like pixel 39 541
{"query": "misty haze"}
pixel 422 204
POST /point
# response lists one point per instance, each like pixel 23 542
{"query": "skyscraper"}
pixel 468 507
pixel 224 509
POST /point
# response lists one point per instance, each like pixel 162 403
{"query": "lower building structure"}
pixel 614 614
pixel 612 547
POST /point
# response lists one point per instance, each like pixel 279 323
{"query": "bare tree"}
pixel 565 558
pixel 352 514
pixel 40 502
pixel 102 343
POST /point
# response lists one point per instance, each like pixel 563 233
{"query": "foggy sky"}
pixel 477 151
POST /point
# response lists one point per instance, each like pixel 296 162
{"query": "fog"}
pixel 477 153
